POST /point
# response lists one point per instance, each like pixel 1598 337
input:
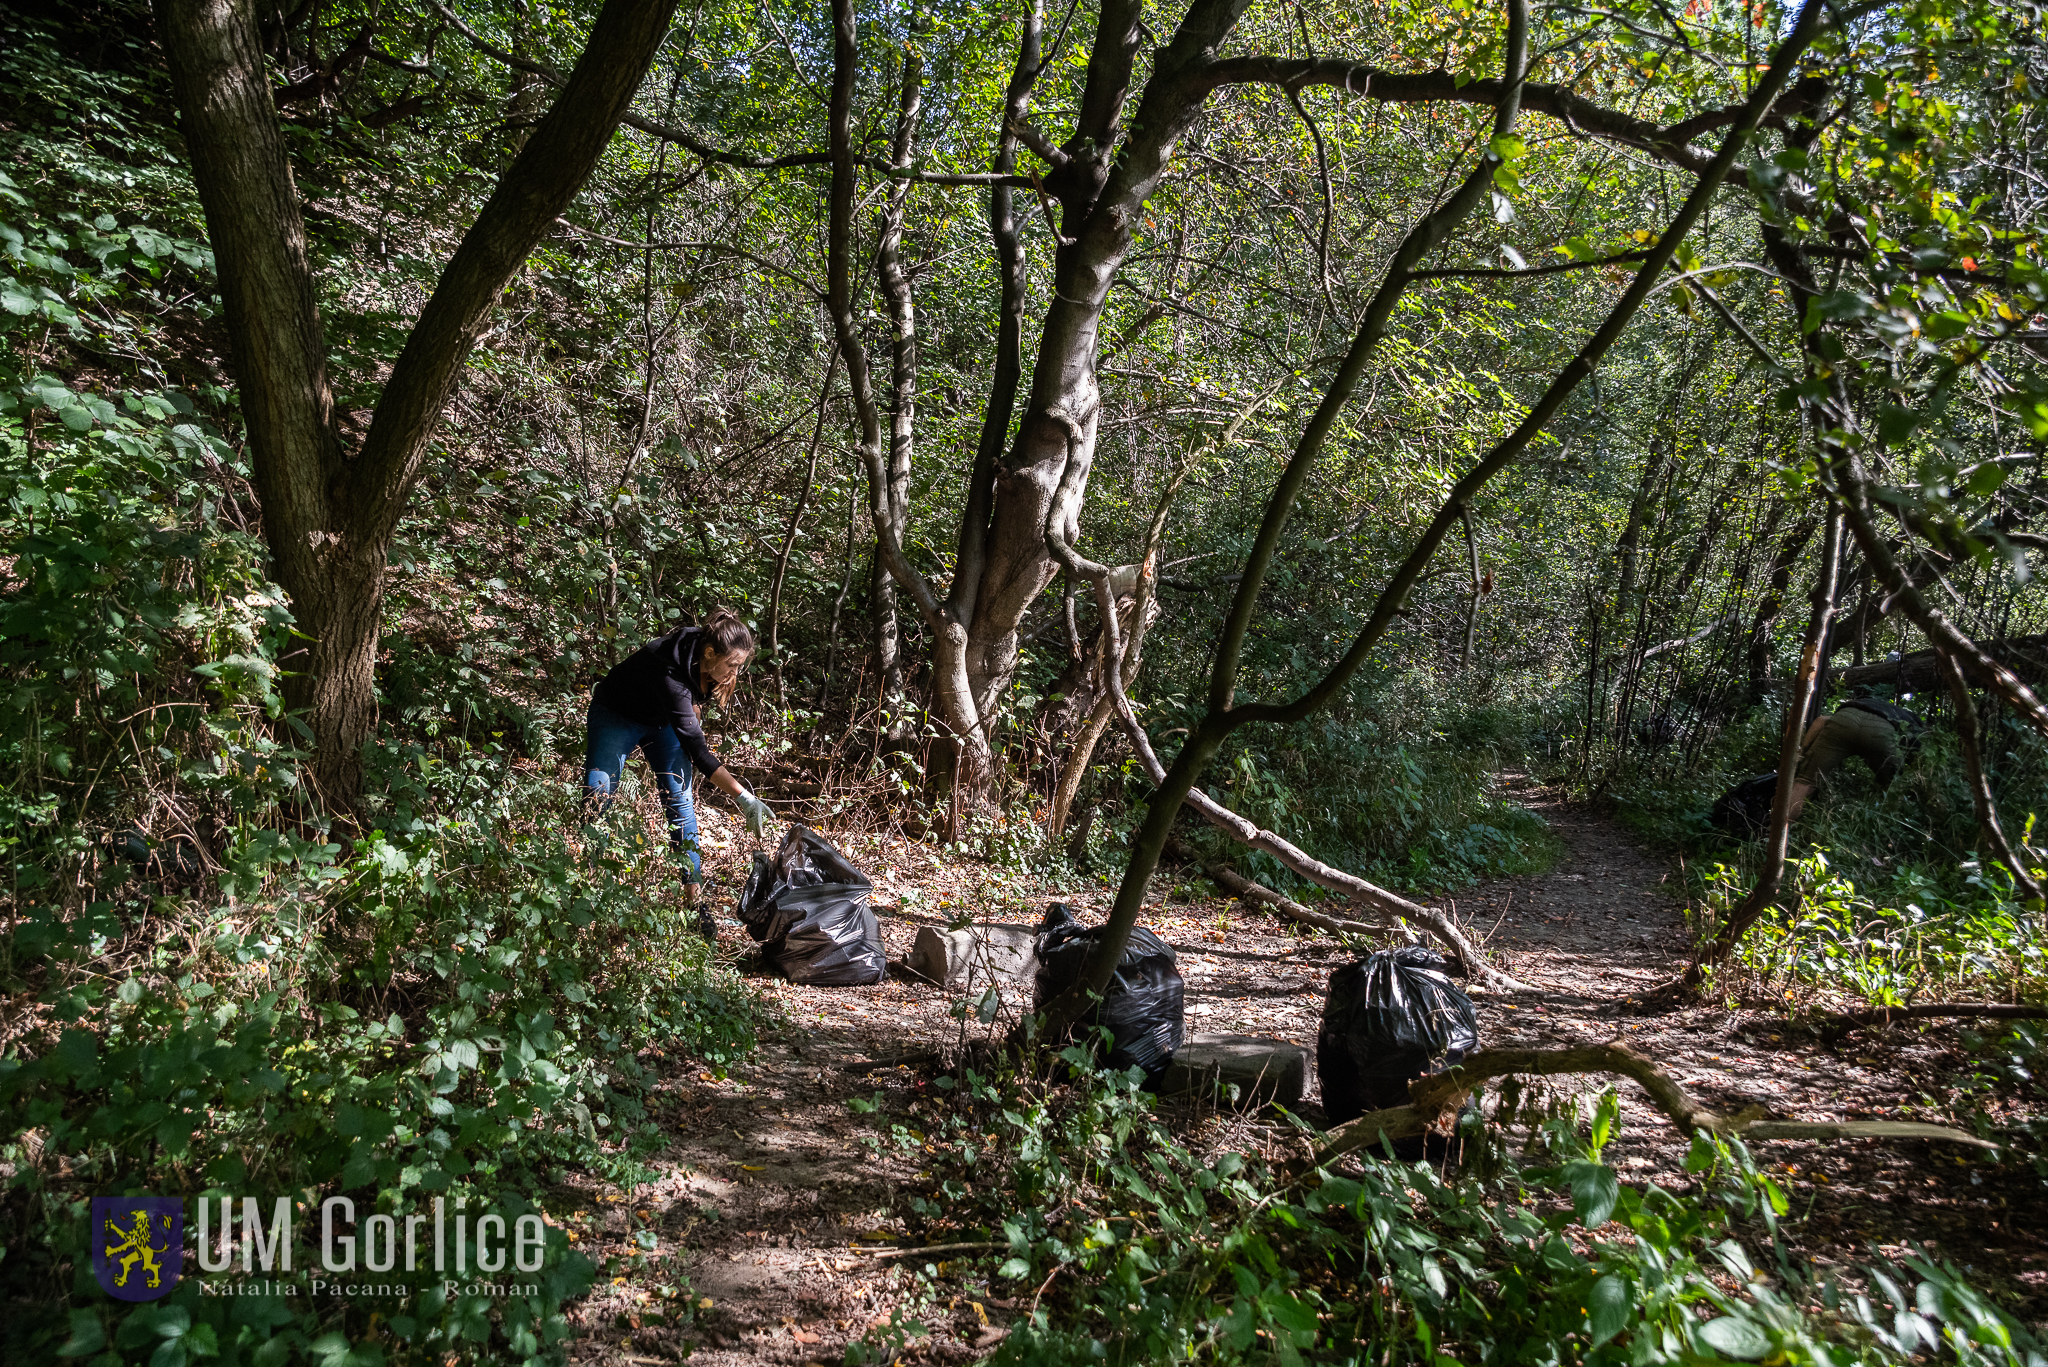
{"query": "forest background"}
pixel 1383 397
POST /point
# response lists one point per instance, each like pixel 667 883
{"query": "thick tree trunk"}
pixel 328 514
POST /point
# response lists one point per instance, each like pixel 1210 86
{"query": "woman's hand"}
pixel 756 811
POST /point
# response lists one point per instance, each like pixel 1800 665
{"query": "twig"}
pixel 1044 1284
pixel 983 1246
pixel 1436 1099
pixel 1498 919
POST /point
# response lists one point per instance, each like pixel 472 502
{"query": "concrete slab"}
pixel 999 955
pixel 1262 1070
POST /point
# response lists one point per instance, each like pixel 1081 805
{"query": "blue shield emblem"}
pixel 138 1245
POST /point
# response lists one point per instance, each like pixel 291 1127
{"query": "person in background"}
pixel 1865 727
pixel 652 701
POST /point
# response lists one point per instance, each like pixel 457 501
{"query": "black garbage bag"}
pixel 1744 811
pixel 808 906
pixel 1142 1004
pixel 1390 1018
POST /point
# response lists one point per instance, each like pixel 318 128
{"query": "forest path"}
pixel 775 1200
pixel 1606 922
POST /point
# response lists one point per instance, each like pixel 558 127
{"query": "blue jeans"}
pixel 612 738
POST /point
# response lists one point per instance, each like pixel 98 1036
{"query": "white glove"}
pixel 755 810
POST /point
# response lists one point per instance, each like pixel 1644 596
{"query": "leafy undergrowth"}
pixel 1122 1245
pixel 1920 942
pixel 446 1016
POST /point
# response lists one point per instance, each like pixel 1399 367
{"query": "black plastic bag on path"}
pixel 1142 1004
pixel 1390 1018
pixel 808 906
pixel 1744 811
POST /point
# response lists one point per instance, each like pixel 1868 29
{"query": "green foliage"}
pixel 1916 943
pixel 1406 789
pixel 1163 1255
pixel 215 993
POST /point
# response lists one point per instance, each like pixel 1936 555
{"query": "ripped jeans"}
pixel 611 738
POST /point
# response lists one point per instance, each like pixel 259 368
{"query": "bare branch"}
pixel 1436 1100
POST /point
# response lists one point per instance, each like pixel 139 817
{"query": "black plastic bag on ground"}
pixel 1744 811
pixel 1390 1018
pixel 808 906
pixel 1142 1004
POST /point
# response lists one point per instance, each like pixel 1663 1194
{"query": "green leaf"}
pixel 1734 1337
pixel 1895 425
pixel 1289 1313
pixel 88 1335
pixel 1986 478
pixel 1609 1306
pixel 1595 1188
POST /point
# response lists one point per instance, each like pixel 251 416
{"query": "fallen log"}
pixel 1435 1101
pixel 1844 1023
pixel 1243 888
pixel 1920 672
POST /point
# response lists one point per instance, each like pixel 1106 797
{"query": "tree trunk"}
pixel 1224 713
pixel 328 514
pixel 902 307
pixel 1799 701
pixel 1772 605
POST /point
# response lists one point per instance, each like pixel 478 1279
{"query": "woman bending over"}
pixel 651 702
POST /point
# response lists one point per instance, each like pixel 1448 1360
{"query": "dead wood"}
pixel 1920 672
pixel 1436 1099
pixel 1249 891
pixel 1845 1023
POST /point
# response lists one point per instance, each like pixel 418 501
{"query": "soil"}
pixel 776 1205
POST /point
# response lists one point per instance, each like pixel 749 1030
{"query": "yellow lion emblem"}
pixel 134 1247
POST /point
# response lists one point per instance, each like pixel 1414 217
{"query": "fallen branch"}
pixel 921 1059
pixel 1920 672
pixel 985 1246
pixel 1243 888
pixel 1836 1026
pixel 1436 1099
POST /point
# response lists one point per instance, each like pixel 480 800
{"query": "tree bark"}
pixel 1799 701
pixel 328 514
pixel 902 307
pixel 1970 733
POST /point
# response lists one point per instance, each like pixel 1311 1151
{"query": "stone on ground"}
pixel 1263 1070
pixel 998 955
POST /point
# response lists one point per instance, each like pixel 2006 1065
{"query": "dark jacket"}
pixel 657 685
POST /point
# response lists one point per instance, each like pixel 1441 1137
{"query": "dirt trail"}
pixel 770 1180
